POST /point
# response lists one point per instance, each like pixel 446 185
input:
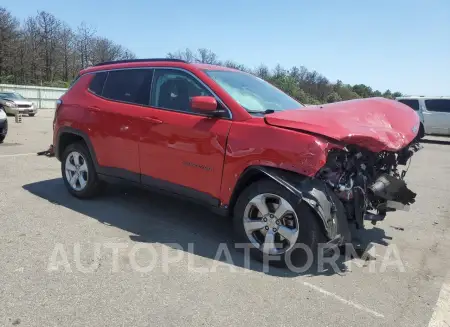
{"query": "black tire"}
pixel 310 232
pixel 93 185
pixel 31 115
pixel 421 133
pixel 4 131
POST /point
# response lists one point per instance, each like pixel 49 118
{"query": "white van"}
pixel 434 113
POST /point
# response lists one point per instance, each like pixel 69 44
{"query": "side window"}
pixel 128 85
pixel 173 89
pixel 440 105
pixel 412 103
pixel 96 85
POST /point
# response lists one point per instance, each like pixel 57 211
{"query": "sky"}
pixel 401 45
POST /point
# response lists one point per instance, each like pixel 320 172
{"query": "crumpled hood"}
pixel 374 123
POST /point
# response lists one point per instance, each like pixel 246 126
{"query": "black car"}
pixel 3 125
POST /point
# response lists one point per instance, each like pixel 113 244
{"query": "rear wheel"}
pixel 32 115
pixel 78 171
pixel 279 229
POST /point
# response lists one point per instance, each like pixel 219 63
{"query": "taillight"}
pixel 58 105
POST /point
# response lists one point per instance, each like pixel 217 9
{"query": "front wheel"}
pixel 78 171
pixel 279 228
pixel 32 115
pixel 4 132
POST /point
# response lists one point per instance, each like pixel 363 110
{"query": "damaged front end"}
pixel 355 184
pixel 369 184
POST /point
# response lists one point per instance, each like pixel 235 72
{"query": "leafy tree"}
pixel 333 97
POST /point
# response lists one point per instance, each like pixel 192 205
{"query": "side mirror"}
pixel 204 104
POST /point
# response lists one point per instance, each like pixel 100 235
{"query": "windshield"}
pixel 11 95
pixel 253 93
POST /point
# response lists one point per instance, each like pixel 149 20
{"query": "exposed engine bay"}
pixel 369 184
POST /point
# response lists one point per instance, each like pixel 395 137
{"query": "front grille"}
pixel 24 106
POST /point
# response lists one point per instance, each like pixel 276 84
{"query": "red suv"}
pixel 289 175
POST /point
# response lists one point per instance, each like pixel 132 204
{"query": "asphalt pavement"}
pixel 137 258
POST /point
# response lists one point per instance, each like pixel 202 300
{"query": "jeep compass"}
pixel 286 174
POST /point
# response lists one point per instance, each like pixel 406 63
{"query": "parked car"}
pixel 434 113
pixel 13 102
pixel 287 174
pixel 3 125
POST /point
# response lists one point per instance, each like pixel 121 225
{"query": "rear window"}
pixel 441 105
pixel 96 85
pixel 411 103
pixel 129 85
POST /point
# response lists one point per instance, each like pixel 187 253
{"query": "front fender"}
pixel 322 200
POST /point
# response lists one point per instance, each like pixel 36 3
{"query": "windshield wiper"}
pixel 264 112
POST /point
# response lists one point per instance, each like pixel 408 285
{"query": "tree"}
pixel 388 94
pixel 43 50
pixel 9 34
pixel 85 36
pixel 306 86
pixel 66 46
pixel 48 31
pixel 333 97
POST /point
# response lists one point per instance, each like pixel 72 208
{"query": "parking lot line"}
pixel 341 299
pixel 17 155
pixel 441 314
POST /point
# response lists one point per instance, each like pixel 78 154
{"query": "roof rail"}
pixel 138 60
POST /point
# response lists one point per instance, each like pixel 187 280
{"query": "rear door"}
pixel 437 116
pixel 116 101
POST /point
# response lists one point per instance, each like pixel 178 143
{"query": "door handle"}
pixel 153 120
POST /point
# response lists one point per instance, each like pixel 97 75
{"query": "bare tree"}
pixel 9 34
pixel 206 56
pixel 186 55
pixel 33 60
pixel 66 46
pixel 85 35
pixel 48 33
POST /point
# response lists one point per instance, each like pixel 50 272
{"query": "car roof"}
pixel 163 62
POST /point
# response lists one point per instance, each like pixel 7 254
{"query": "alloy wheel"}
pixel 76 171
pixel 271 223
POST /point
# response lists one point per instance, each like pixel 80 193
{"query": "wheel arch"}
pixel 69 135
pixel 328 209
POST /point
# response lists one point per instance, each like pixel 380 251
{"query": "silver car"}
pixel 434 113
pixel 13 103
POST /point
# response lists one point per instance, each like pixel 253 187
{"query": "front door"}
pixel 181 150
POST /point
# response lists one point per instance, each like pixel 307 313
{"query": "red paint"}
pixel 375 123
pixel 204 103
pixel 169 151
pixel 210 154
